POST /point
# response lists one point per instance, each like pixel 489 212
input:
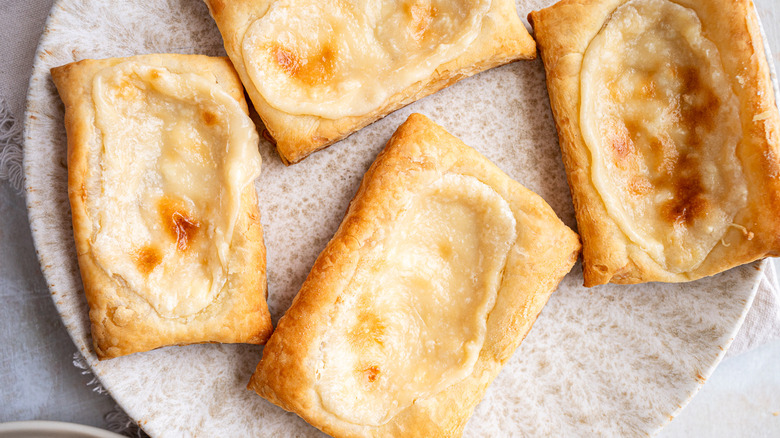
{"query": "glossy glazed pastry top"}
pixel 662 126
pixel 339 59
pixel 428 302
pixel 176 153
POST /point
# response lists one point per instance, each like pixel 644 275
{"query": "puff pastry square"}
pixel 437 272
pixel 668 125
pixel 162 157
pixel 318 70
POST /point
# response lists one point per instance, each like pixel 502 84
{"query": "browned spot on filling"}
pixel 619 138
pixel 675 160
pixel 315 69
pixel 369 330
pixel 689 201
pixel 371 373
pixel 147 258
pixel 286 59
pixel 698 104
pixel 681 168
pixel 178 223
pixel 127 90
pixel 421 14
pixel 445 250
pixel 640 186
pixel 209 118
pixel 648 88
pixel 666 156
pixel 634 128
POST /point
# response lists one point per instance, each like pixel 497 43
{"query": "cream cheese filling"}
pixel 345 58
pixel 662 126
pixel 415 320
pixel 174 153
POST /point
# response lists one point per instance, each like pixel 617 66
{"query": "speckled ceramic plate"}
pixel 613 360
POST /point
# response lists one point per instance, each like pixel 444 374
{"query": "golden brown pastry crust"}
pixel 502 39
pixel 239 313
pixel 545 250
pixel 563 33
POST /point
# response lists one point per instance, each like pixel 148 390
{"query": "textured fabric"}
pixel 21 25
pixel 39 383
pixel 10 149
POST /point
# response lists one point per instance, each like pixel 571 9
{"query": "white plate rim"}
pixel 74 430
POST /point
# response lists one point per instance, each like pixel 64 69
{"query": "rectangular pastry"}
pixel 669 130
pixel 436 274
pixel 318 71
pixel 162 158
